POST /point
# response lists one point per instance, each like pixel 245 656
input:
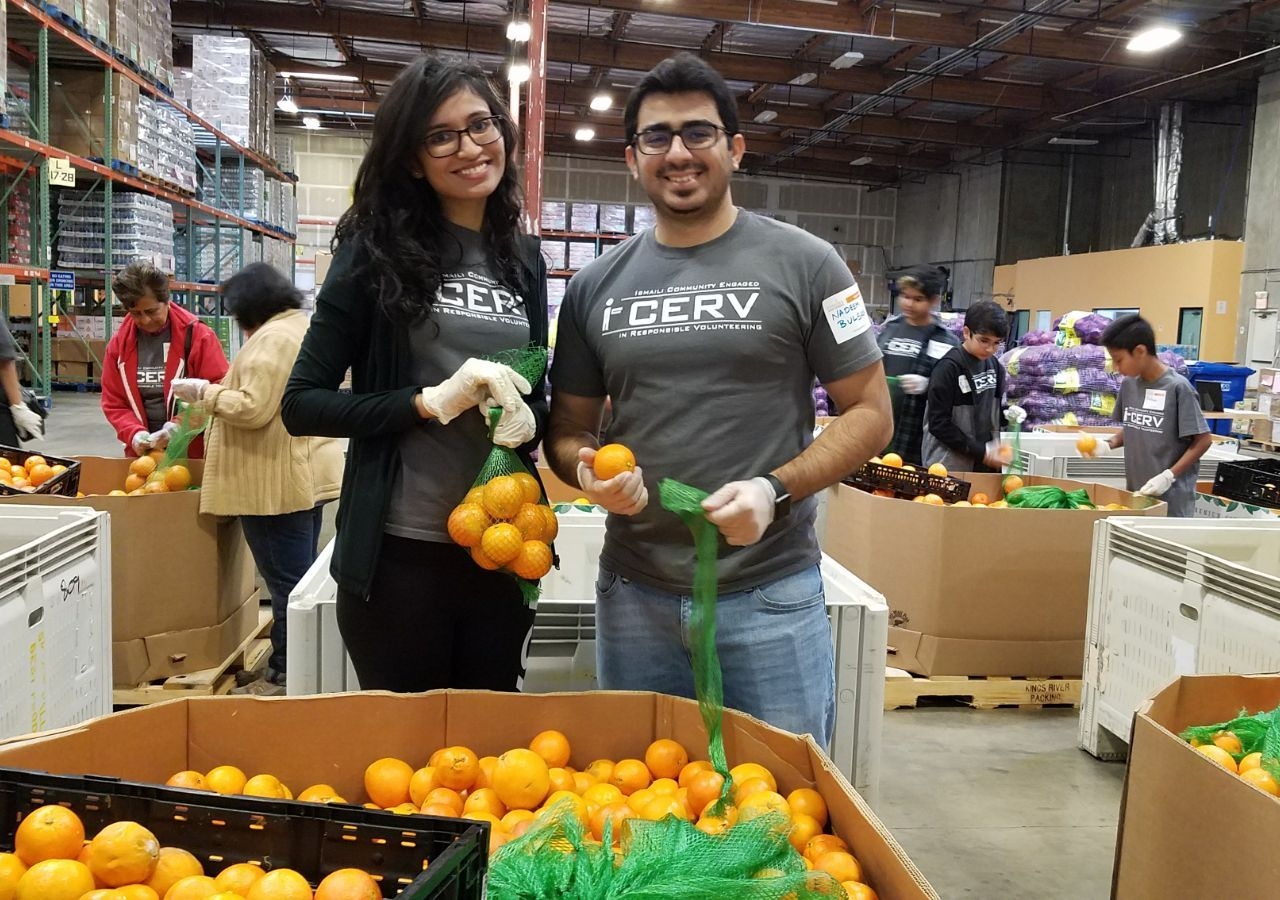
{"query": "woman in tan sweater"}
pixel 254 469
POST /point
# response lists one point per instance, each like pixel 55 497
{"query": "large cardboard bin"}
pixel 332 738
pixel 1189 828
pixel 975 591
pixel 182 584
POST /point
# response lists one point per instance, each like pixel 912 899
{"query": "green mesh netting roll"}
pixel 1047 496
pixel 1259 733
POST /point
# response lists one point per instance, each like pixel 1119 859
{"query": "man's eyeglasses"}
pixel 447 141
pixel 694 136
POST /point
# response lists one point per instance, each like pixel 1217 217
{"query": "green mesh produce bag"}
pixel 193 420
pixel 1258 733
pixel 670 858
pixel 1046 496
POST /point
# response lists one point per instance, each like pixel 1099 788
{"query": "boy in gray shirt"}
pixel 1164 432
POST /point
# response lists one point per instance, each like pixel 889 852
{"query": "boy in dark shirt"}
pixel 963 412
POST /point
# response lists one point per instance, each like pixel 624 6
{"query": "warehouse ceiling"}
pixel 929 82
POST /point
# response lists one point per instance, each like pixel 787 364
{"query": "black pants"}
pixel 8 431
pixel 434 619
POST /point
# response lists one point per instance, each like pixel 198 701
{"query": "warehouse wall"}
pixel 1262 223
pixel 952 220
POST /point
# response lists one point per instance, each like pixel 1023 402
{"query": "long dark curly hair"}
pixel 397 219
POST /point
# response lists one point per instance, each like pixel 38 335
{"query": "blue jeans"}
pixel 283 548
pixel 774 643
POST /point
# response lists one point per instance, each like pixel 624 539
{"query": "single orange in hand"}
pixel 612 460
pixel 1086 444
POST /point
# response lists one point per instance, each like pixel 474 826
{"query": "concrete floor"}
pixel 997 805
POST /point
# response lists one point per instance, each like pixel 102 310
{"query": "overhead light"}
pixel 766 115
pixel 803 78
pixel 286 104
pixel 319 76
pixel 310 122
pixel 860 161
pixel 1155 38
pixel 518 73
pixel 584 134
pixel 519 31
pixel 1073 141
pixel 846 59
pixel 601 102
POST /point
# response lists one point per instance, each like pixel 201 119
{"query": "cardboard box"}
pixel 75 350
pixel 179 580
pixel 975 591
pixel 1188 827
pixel 557 491
pixel 74 371
pixel 151 743
pixel 77 121
pixel 324 259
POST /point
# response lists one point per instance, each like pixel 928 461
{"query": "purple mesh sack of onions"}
pixel 1036 338
pixel 1090 328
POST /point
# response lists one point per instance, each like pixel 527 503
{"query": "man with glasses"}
pixel 706 333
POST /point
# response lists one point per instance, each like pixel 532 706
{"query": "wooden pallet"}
pixel 902 690
pixel 219 679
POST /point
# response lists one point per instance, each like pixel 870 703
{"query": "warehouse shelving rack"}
pixel 39 34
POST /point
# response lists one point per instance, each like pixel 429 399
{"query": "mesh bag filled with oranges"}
pixel 1248 746
pixel 165 471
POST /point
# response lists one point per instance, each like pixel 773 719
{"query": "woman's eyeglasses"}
pixel 447 141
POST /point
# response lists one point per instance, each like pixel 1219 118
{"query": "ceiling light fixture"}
pixel 1073 141
pixel 518 73
pixel 1157 37
pixel 803 78
pixel 319 76
pixel 847 59
pixel 287 104
pixel 519 31
pixel 584 134
pixel 766 115
pixel 860 161
pixel 310 122
pixel 601 102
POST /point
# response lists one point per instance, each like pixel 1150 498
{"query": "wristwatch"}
pixel 781 497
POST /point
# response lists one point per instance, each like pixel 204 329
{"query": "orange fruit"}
pixel 824 843
pixel 225 779
pixel 1011 483
pixel 155 486
pixel 50 832
pixel 856 890
pixel 264 786
pixel 501 543
pixel 483 800
pixel 238 877
pixel 157 455
pixel 562 779
pixel 533 561
pixel 1086 444
pixel 808 802
pixel 55 879
pixel 939 470
pixel 891 459
pixel 979 499
pixel 467 523
pixel 1218 755
pixel 582 781
pixel 667 786
pixel 528 484
pixel 530 522
pixel 143 466
pixel 34 459
pixel 743 771
pixel 348 884
pixel 123 853
pixel 11 869
pixel 38 475
pixel 503 497
pixel 444 796
pixel 475 495
pixel 693 768
pixel 1252 761
pixel 497 836
pixel 552 746
pixel 612 460
pixel 280 884
pixel 188 779
pixel 804 828
pixel 173 865
pixel 839 864
pixel 551 525
pixel 480 559
pixel 457 768
pixel 934 500
pixel 135 892
pixel 562 803
pixel 602 795
pixel 16 471
pixel 1261 778
pixel 614 814
pixel 662 805
pixel 134 482
pixel 484 778
pixel 177 478
pixel 762 802
pixel 103 894
pixel 704 787
pixel 600 769
pixel 666 758
pixel 713 824
pixel 386 781
pixel 317 793
pixel 629 776
pixel 1228 741
pixel 521 779
pixel 442 810
pixel 515 816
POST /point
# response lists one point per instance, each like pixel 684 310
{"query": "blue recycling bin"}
pixel 1232 380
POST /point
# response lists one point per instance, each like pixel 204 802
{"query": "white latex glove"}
pixel 742 510
pixel 475 380
pixel 998 455
pixel 514 428
pixel 913 384
pixel 1159 485
pixel 141 442
pixel 1102 448
pixel 29 425
pixel 1015 414
pixel 189 390
pixel 160 439
pixel 623 495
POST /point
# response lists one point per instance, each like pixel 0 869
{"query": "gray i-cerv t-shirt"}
pixel 473 315
pixel 153 354
pixel 1160 418
pixel 709 355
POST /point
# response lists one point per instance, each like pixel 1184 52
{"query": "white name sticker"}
pixel 964 385
pixel 937 349
pixel 1153 400
pixel 846 314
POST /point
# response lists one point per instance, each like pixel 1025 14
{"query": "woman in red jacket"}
pixel 156 343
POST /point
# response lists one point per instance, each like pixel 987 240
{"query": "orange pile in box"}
pixel 30 474
pixel 506 526
pixel 124 861
pixel 1225 748
pixel 145 477
pixel 514 791
pixel 1008 485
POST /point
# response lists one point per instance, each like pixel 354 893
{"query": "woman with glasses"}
pixel 430 278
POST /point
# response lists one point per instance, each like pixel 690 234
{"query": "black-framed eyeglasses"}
pixel 694 136
pixel 447 141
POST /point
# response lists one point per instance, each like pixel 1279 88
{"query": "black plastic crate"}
pixel 908 482
pixel 65 485
pixel 312 838
pixel 1255 481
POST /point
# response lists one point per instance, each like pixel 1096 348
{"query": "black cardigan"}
pixel 348 331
